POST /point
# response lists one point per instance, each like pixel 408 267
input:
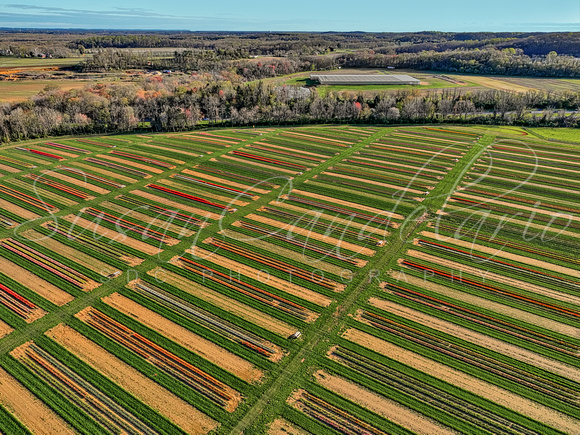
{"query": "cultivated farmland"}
pixel 319 279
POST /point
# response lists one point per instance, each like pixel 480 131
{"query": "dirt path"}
pixel 31 412
pixel 19 211
pixel 498 395
pixel 485 275
pixel 218 299
pixel 193 342
pixel 284 252
pixel 122 239
pixel 493 252
pixel 389 409
pixel 224 182
pixel 263 276
pixel 489 305
pixel 182 208
pixel 80 183
pixel 290 230
pixel 166 403
pixel 274 168
pixel 352 205
pixel 130 163
pixel 71 253
pixel 486 341
pixel 38 285
pixel 98 170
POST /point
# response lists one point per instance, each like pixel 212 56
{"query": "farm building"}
pixel 364 79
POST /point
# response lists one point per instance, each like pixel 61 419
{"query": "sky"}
pixel 296 15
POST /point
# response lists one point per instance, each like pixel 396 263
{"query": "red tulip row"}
pixel 28 199
pixel 485 320
pixel 56 185
pixel 249 290
pixel 341 210
pixel 124 223
pixel 498 262
pixel 160 357
pixel 14 302
pixel 94 142
pixel 276 264
pixel 67 147
pixel 143 159
pixel 392 168
pixel 162 210
pixel 93 177
pixel 44 261
pixel 40 153
pixel 302 244
pixel 17 162
pixel 495 290
pixel 269 160
pixel 214 185
pixel 190 197
pixel 286 153
pixel 112 165
pixel 236 176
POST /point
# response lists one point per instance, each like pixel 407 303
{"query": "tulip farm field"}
pixel 307 280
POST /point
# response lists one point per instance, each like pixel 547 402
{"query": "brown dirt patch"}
pixel 33 413
pixel 283 427
pixel 182 208
pixel 120 238
pixel 9 169
pixel 228 200
pixel 486 341
pixel 278 283
pixel 98 169
pixel 375 183
pixel 353 205
pixel 486 275
pixel 250 314
pixel 193 342
pixel 19 211
pixel 79 183
pixel 288 228
pixel 5 329
pixel 223 181
pixel 484 303
pixel 392 411
pixel 498 395
pixel 166 403
pixel 250 163
pixel 130 163
pixel 38 285
pixel 284 252
pixel 498 253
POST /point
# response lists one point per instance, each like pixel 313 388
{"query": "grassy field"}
pixel 11 91
pixel 15 62
pixel 563 134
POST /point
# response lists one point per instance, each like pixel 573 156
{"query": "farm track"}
pixel 281 387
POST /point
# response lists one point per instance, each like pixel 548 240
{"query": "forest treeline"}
pixel 166 104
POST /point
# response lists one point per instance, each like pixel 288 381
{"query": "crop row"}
pixel 17 162
pixel 170 213
pixel 191 197
pixel 118 167
pixel 395 169
pixel 269 160
pixel 93 177
pixel 45 262
pixel 234 176
pixel 56 185
pixel 94 142
pixel 68 147
pixel 285 153
pixel 143 159
pixel 16 303
pixel 40 153
pixel 28 199
pixel 212 185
